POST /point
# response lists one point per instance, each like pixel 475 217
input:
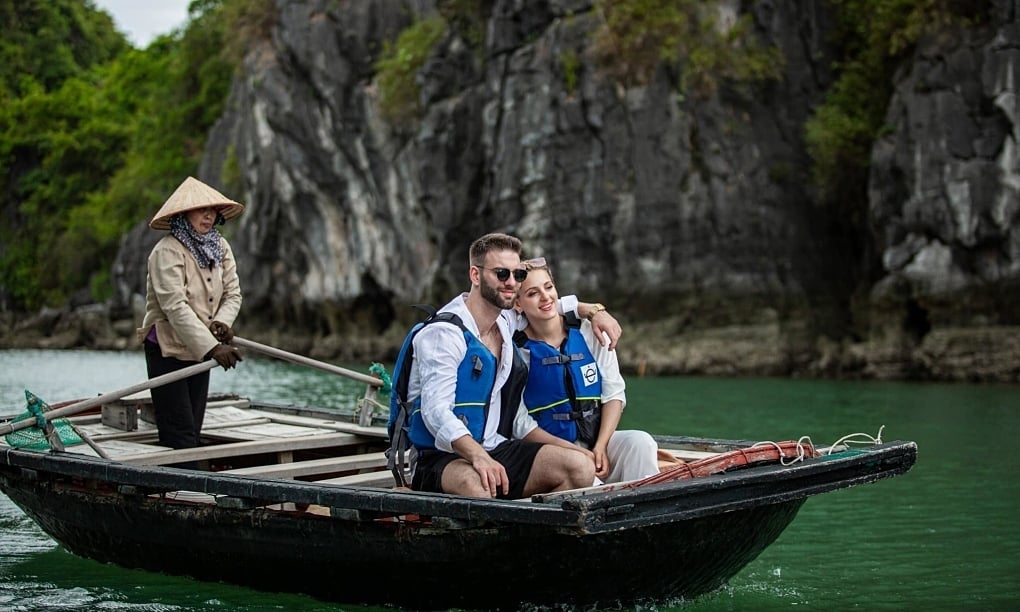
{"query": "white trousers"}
pixel 632 455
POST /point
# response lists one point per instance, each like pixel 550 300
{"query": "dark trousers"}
pixel 179 406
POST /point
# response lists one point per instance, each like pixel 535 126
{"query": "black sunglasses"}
pixel 502 274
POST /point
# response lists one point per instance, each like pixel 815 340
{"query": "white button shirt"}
pixel 438 351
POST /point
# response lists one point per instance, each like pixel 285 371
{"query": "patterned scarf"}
pixel 206 248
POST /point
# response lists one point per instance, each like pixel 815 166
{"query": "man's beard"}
pixel 492 296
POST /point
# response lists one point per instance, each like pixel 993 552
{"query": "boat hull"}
pixel 375 545
pixel 407 564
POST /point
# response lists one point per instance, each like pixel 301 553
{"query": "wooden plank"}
pixel 228 413
pixel 236 449
pixel 97 431
pixel 689 455
pixel 382 479
pixel 315 466
pixel 100 432
pixel 338 425
pixel 263 431
pixel 119 448
pixel 226 422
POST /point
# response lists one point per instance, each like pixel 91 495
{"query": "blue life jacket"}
pixel 476 376
pixel 564 390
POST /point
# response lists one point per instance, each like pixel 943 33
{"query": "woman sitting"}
pixel 575 389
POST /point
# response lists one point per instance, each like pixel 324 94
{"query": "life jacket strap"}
pixel 401 451
pixel 573 415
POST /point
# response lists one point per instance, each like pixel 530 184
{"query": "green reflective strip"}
pixel 593 398
pixel 469 404
pixel 548 406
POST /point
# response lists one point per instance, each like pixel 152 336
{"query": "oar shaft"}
pixel 99 400
pixel 299 359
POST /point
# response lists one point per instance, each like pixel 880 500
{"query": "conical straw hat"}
pixel 192 194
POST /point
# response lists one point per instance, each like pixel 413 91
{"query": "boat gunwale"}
pixel 746 487
pixel 907 450
pixel 664 502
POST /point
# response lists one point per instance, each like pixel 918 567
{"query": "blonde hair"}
pixel 538 263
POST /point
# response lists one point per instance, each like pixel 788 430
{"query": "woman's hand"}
pixel 222 331
pixel 601 462
pixel 225 355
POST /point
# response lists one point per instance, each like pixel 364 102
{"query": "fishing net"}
pixel 34 437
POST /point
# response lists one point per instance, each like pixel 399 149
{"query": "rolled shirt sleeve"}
pixel 438 351
pixel 613 385
pixel 524 423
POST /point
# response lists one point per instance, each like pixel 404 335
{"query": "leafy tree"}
pixel 94 134
pixel 636 37
pixel 49 41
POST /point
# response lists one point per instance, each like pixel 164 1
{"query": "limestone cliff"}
pixel 690 216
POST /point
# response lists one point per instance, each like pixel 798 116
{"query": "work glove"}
pixel 222 332
pixel 225 355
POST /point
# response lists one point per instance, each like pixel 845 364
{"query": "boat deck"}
pixel 243 440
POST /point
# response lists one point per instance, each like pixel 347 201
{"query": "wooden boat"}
pixel 299 500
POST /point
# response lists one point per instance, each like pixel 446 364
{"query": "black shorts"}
pixel 516 457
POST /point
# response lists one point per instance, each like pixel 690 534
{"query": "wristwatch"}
pixel 594 310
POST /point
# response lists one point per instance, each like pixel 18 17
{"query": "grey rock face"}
pixel 944 202
pixel 690 216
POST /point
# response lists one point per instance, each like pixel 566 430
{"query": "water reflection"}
pixel 64 375
pixel 943 536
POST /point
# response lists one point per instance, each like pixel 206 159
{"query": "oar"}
pixel 6 428
pixel 299 359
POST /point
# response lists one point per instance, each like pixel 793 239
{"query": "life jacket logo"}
pixel 590 373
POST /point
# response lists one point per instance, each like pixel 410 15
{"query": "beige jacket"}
pixel 182 300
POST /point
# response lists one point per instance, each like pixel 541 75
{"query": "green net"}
pixel 34 438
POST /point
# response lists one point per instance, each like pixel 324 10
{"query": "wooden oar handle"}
pixel 105 398
pixel 299 359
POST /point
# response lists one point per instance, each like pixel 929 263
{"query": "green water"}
pixel 943 537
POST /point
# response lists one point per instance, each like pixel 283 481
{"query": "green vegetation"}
pixel 95 134
pixel 248 21
pixel 638 36
pixel 398 66
pixel 570 63
pixel 468 18
pixel 874 34
pixel 45 43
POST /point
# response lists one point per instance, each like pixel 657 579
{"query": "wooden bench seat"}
pixel 371 431
pixel 313 467
pixel 382 479
pixel 252 447
pixel 115 449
